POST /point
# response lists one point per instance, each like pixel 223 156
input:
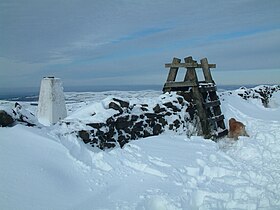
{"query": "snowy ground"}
pixel 39 170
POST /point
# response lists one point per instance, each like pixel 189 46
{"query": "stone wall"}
pixel 134 121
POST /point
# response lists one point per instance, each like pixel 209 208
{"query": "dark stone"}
pixel 162 121
pixel 180 100
pixel 84 136
pixel 144 109
pixel 106 145
pixel 151 122
pixel 111 132
pixel 134 118
pixel 157 129
pixel 123 104
pixel 142 116
pixel 170 127
pixel 18 105
pixel 138 124
pixel 177 123
pixel 157 108
pixel 168 113
pixel 122 139
pixel 171 106
pixel 150 115
pixel 96 125
pixel 168 104
pixel 110 121
pixel 147 133
pixel 123 122
pixel 6 119
pixel 99 133
pixel 115 106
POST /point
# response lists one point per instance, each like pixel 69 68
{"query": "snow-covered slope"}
pixel 40 170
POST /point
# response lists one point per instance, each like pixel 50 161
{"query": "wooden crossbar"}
pixel 187 65
pixel 180 84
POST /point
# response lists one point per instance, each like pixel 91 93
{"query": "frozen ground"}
pixel 39 170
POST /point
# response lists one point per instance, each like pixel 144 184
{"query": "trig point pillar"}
pixel 51 107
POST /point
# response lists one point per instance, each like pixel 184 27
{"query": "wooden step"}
pixel 212 103
pixel 207 88
pixel 217 118
pixel 220 134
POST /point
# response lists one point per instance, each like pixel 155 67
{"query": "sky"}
pixel 127 42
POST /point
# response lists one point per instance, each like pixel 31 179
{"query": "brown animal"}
pixel 236 129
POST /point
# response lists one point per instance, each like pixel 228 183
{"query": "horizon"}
pixel 24 93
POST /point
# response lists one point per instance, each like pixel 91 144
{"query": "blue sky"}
pixel 126 42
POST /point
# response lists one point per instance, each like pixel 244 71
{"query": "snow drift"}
pixel 43 169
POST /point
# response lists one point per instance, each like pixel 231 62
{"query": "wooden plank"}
pixel 198 98
pixel 186 65
pixel 207 88
pixel 220 134
pixel 212 103
pixel 173 70
pixel 191 73
pixel 206 70
pixel 179 84
pixel 217 118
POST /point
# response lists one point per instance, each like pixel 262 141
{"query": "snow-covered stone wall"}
pixel 130 121
pixel 51 107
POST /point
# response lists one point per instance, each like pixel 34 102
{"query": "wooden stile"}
pixel 203 94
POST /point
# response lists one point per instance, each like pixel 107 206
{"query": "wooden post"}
pixel 173 70
pixel 191 74
pixel 171 75
pixel 198 98
pixel 206 71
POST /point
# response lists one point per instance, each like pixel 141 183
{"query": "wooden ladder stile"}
pixel 203 94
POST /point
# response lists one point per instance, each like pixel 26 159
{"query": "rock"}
pixel 115 106
pixel 134 118
pixel 84 136
pixel 177 123
pixel 96 125
pixel 123 123
pixel 123 104
pixel 6 119
pixel 171 106
pixel 144 109
pixel 157 129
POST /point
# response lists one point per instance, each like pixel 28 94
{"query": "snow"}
pixel 41 169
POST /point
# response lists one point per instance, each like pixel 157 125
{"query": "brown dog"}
pixel 236 129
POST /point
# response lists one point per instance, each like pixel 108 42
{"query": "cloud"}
pixel 106 39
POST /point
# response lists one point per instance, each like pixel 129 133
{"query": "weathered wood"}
pixel 220 134
pixel 185 65
pixel 179 84
pixel 207 89
pixel 217 118
pixel 191 73
pixel 212 104
pixel 203 94
pixel 173 70
pixel 198 98
pixel 206 70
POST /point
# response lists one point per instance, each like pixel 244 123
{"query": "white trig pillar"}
pixel 51 107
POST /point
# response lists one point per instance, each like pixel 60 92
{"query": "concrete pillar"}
pixel 51 107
